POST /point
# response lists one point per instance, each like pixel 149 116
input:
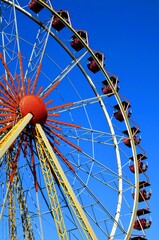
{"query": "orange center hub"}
pixel 34 105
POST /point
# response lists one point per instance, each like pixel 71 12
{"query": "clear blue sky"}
pixel 128 33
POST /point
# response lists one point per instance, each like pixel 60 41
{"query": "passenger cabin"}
pixel 57 24
pixel 118 113
pixel 142 222
pixel 142 165
pixel 144 194
pixel 35 6
pixel 135 131
pixel 76 42
pixel 93 65
pixel 106 89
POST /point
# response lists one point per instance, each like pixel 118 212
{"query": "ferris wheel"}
pixel 71 163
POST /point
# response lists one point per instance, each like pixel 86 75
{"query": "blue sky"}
pixel 128 33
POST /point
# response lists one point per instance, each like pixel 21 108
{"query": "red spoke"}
pixel 7 70
pixel 53 126
pixel 50 90
pixel 9 100
pixel 7 120
pixel 36 78
pixel 19 86
pixel 9 87
pixel 13 105
pixel 22 73
pixel 60 106
pixel 63 158
pixel 7 110
pixel 65 140
pixel 48 102
pixel 53 114
pixel 63 123
pixel 8 93
pixel 7 96
pixel 8 106
pixel 4 128
pixel 47 130
pixel 7 114
pixel 29 79
pixel 39 92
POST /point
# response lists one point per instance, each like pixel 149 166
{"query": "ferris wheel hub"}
pixel 33 104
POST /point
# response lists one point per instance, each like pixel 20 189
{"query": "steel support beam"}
pixel 65 185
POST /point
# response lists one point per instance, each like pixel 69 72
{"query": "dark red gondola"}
pixel 106 89
pixel 118 114
pixel 137 139
pixel 92 65
pixel 144 195
pixel 142 167
pixel 127 142
pixel 57 24
pixel 142 223
pixel 76 42
pixel 35 6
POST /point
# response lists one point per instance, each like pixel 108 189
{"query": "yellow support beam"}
pixel 11 136
pixel 65 185
pixel 51 189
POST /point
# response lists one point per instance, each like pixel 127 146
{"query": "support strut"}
pixel 64 184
